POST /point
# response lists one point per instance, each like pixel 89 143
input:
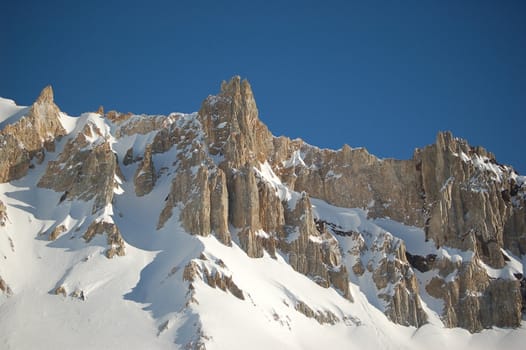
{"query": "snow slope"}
pixel 10 112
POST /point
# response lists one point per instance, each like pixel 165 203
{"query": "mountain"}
pixel 205 231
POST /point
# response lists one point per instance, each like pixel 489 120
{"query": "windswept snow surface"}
pixel 140 301
pixel 10 112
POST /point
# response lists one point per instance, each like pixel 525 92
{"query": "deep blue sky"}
pixel 386 75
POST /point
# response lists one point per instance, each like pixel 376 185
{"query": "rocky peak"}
pixel 239 90
pixel 30 137
pixel 232 127
pixel 46 95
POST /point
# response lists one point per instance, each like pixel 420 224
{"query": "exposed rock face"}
pixel 86 169
pixel 219 206
pixel 458 193
pixel 61 290
pixel 217 278
pixel 3 214
pixel 380 259
pixel 129 124
pixel 465 197
pixel 312 252
pixel 57 231
pixel 14 160
pixel 128 157
pixel 402 302
pixel 320 316
pixel 30 137
pixel 472 299
pixel 231 125
pixel 244 213
pixel 116 244
pixel 4 287
pixel 191 270
pixel 473 204
pixel 145 175
pixel 353 178
pixel 117 117
pixel 198 184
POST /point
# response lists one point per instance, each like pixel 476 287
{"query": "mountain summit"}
pixel 205 231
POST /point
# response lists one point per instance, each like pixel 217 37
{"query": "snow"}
pixel 295 160
pixel 266 173
pixel 465 158
pixel 68 123
pixel 262 234
pixel 10 113
pixel 33 312
pixel 413 237
pixel 484 164
pixel 432 305
pixel 511 268
pixel 446 184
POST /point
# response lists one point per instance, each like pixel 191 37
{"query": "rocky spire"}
pixel 46 95
pixel 232 126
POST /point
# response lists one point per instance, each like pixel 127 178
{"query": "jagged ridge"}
pixel 227 176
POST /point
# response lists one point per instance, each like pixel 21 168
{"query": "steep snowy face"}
pixel 203 230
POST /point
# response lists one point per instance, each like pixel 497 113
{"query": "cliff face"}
pixel 30 137
pixel 459 194
pixel 231 178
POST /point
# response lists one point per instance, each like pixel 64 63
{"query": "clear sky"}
pixel 386 75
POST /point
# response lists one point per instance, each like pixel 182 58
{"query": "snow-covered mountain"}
pixel 203 230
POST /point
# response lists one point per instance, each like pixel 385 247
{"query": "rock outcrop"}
pixel 320 316
pixel 468 199
pixel 474 300
pixel 232 129
pixel 115 242
pixel 4 287
pixel 353 178
pixel 86 169
pixel 144 179
pixel 57 231
pixel 198 187
pixel 476 205
pixel 3 214
pixel 217 277
pixel 30 137
pixel 314 252
pixel 380 259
